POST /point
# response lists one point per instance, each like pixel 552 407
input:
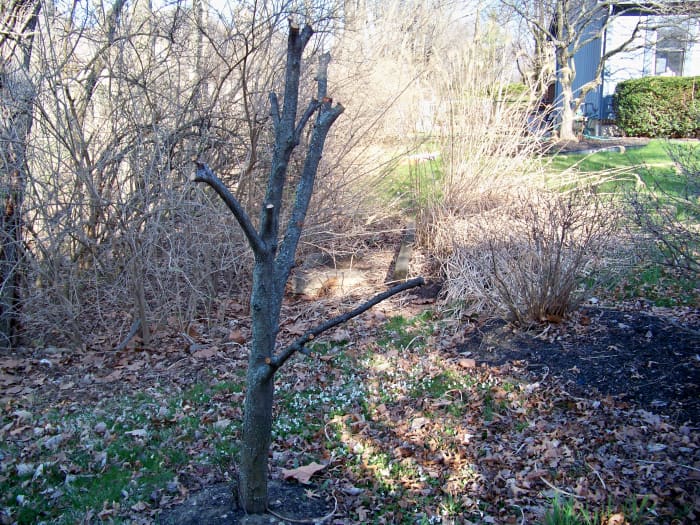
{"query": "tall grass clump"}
pixel 506 238
pixel 486 147
pixel 529 261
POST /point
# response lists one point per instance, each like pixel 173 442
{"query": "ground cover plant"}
pixel 404 417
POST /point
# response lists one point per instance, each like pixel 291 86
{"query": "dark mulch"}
pixel 645 358
pixel 215 505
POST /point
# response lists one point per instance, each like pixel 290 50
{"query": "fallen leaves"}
pixel 405 441
pixel 303 474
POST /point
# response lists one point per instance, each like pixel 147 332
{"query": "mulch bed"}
pixel 648 357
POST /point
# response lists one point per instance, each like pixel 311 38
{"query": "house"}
pixel 666 45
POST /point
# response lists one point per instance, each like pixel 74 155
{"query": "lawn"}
pixel 623 171
pixel 653 154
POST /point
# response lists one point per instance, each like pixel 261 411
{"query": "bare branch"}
pixel 206 175
pixel 310 110
pixel 298 345
pixel 322 75
pixel 274 109
pixel 326 117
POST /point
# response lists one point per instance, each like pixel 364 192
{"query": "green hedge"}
pixel 659 107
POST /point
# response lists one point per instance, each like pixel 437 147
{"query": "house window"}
pixel 671 44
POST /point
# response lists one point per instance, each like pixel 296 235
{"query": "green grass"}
pixel 567 512
pixel 407 333
pixel 653 154
pixel 651 163
pixel 413 183
pixel 114 457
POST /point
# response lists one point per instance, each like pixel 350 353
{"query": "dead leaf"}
pixel 222 424
pixel 298 328
pixel 340 336
pixel 192 331
pixel 53 442
pixel 135 366
pixel 205 353
pixel 9 363
pixel 139 432
pixel 467 363
pixel 236 336
pixel 303 474
pixel 24 469
pixel 22 415
pixel 616 519
pixel 418 423
pixel 114 376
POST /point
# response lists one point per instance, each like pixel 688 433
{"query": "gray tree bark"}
pixel 274 262
pixel 18 20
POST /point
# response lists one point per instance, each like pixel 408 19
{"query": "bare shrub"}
pixel 527 261
pixel 485 139
pixel 168 263
pixel 114 234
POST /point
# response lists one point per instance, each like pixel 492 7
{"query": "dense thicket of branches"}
pixel 123 97
pixel 118 98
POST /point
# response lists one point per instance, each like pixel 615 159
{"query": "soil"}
pixel 215 505
pixel 646 357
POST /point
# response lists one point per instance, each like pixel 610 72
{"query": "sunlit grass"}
pixel 652 154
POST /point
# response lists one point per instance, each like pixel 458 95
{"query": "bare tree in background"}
pixel 18 20
pixel 571 25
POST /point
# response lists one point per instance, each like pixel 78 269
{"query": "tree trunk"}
pixel 16 99
pixel 566 79
pixel 566 131
pixel 257 419
pixel 11 232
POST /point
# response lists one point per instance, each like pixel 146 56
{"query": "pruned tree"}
pixel 274 253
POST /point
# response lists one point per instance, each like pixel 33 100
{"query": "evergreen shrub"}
pixel 666 107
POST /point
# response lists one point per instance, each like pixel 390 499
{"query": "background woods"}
pixel 118 97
